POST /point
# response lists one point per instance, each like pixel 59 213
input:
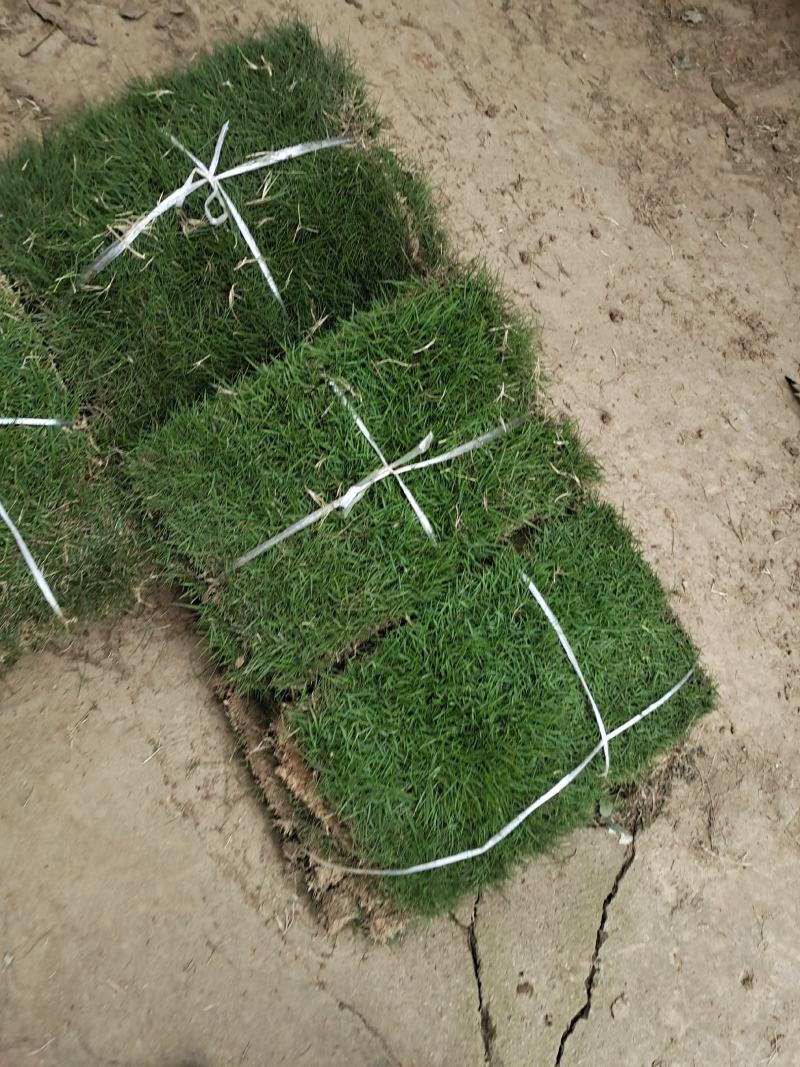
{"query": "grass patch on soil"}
pixel 169 322
pixel 54 486
pixel 420 682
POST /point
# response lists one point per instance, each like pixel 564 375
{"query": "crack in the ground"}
pixel 343 1005
pixel 488 1030
pixel 583 1012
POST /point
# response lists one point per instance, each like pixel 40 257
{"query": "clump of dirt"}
pixel 639 806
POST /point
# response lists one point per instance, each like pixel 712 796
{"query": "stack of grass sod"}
pixel 187 306
pixel 186 309
pixel 54 487
pixel 419 698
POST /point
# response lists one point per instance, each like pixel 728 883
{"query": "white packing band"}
pixel 34 422
pixel 562 637
pixel 341 503
pixel 401 466
pixel 39 578
pixel 424 521
pixel 208 176
pixel 553 791
pixel 31 563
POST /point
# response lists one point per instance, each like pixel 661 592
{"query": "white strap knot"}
pixel 201 175
pixel 401 466
pixel 387 468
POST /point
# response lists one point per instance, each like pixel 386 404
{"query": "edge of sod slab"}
pixel 449 358
pixel 187 307
pixel 67 507
pixel 339 900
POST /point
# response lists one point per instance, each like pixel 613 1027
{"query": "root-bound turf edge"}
pixel 337 900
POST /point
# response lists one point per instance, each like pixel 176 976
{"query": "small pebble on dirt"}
pixel 605 417
pixel 692 16
pixel 593 230
pixel 491 111
pixel 734 139
pixel 746 978
pixel 524 256
pixel 683 60
pixel 615 315
pixel 132 9
pixel 525 989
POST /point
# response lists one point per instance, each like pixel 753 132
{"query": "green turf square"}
pixel 188 307
pixel 459 719
pixel 450 359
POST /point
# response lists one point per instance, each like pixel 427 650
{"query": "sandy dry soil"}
pixel 147 917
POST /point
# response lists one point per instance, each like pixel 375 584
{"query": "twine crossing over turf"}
pixel 208 176
pixel 401 466
pixel 561 784
pixel 30 562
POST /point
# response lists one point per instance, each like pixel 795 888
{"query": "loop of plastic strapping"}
pixel 207 175
pixel 215 220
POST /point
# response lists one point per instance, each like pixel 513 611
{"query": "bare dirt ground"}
pixel 650 216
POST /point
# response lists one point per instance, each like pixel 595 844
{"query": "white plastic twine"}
pixel 553 791
pixel 201 175
pixel 401 466
pixel 25 552
pixel 33 422
pixel 562 637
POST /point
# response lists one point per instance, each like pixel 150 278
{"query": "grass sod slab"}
pixel 234 469
pixel 455 722
pixel 188 307
pixel 55 489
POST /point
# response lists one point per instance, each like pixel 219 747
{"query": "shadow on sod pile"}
pixel 54 488
pixel 419 682
pixel 188 307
